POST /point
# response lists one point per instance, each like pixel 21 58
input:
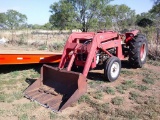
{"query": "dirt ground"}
pixel 134 95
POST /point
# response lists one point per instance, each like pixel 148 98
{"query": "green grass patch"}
pixel 94 84
pixel 35 75
pixel 4 97
pixel 58 45
pixel 23 108
pixel 134 95
pixel 126 72
pixel 10 97
pixel 8 81
pixel 154 62
pixel 87 115
pixel 43 47
pixel 151 100
pixel 125 86
pixel 96 114
pixel 142 87
pixel 98 95
pixel 150 109
pixel 14 74
pixel 109 90
pixel 127 115
pixel 33 117
pixel 120 89
pixel 148 80
pixel 2 112
pixel 99 82
pixel 18 95
pixel 53 116
pixel 129 83
pixel 117 100
pixel 84 98
pixel 23 117
pixel 103 108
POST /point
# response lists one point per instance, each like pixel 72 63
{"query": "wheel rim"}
pixel 143 52
pixel 115 69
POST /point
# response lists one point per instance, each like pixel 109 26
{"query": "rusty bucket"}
pixel 57 89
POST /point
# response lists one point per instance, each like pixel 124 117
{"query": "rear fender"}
pixel 130 35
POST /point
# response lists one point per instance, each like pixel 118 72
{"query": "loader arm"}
pixel 74 45
pixel 100 40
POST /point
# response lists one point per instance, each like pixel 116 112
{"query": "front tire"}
pixel 112 68
pixel 138 51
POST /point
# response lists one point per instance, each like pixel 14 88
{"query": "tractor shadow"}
pixel 6 69
pixel 100 76
pixel 96 76
pixel 126 64
pixel 30 81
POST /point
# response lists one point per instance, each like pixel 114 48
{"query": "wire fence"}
pixel 54 40
pixel 38 39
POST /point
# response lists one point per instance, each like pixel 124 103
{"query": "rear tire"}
pixel 112 68
pixel 138 50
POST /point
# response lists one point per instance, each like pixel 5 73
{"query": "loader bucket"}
pixel 57 89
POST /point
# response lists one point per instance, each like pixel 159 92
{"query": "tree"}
pixel 47 26
pixel 80 14
pixel 62 15
pixel 144 19
pixel 156 9
pixel 88 12
pixel 156 2
pixel 107 16
pixel 144 22
pixel 2 17
pixel 14 19
pixel 2 20
pixel 36 26
pixel 120 16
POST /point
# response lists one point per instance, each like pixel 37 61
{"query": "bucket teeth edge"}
pixel 46 106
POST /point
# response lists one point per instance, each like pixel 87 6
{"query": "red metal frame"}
pixel 130 35
pixel 102 40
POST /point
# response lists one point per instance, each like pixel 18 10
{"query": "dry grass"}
pixel 37 40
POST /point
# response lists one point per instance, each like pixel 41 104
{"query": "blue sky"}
pixel 37 11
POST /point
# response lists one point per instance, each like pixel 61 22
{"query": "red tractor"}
pixel 58 87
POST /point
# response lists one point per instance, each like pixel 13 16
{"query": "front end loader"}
pixel 58 88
